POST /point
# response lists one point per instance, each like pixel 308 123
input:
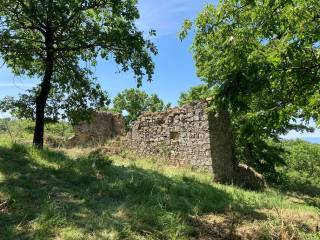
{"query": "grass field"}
pixel 83 194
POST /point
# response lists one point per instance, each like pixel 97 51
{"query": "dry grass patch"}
pixel 225 226
pixel 282 224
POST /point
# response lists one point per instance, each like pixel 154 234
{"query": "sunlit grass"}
pixel 73 194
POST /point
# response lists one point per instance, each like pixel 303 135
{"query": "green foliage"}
pixel 262 154
pixel 20 131
pixel 80 31
pixel 16 130
pixel 23 108
pixel 74 107
pixel 155 104
pixel 302 170
pixel 301 153
pixel 133 102
pixel 259 48
pixel 251 146
pixel 263 59
pixel 98 160
pixel 200 92
pixel 59 129
pixel 263 63
pixel 60 43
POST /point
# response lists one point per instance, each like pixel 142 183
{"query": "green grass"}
pixel 21 131
pixel 80 194
pixel 75 195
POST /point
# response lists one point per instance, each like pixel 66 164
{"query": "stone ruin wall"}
pixel 103 126
pixel 190 136
pixel 186 136
pixel 180 135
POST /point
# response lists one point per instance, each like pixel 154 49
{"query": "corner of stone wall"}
pixel 225 168
pixel 102 126
pixel 221 139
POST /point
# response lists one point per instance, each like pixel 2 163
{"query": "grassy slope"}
pixel 63 195
pixel 70 195
pixel 22 130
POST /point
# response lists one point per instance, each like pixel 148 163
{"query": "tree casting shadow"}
pixel 65 192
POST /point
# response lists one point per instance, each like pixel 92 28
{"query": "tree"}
pixel 59 42
pixel 155 104
pixel 263 59
pixel 73 107
pixel 253 143
pixel 200 92
pixel 135 102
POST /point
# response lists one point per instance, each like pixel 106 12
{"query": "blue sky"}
pixel 175 71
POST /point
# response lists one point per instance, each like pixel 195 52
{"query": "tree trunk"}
pixel 45 88
pixel 41 101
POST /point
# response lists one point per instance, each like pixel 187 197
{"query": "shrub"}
pixel 303 157
pixel 302 170
pixel 98 160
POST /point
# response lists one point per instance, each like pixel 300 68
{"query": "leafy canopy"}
pixel 133 102
pixel 73 34
pixel 200 92
pixel 262 57
pixel 60 106
pixel 260 49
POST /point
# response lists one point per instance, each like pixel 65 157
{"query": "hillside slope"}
pixel 80 194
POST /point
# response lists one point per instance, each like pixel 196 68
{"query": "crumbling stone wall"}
pixel 186 136
pixel 103 126
pixel 182 135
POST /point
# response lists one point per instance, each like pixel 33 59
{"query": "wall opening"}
pixel 160 121
pixel 174 135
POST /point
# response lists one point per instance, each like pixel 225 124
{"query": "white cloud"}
pixel 167 17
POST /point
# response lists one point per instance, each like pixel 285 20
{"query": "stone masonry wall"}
pixel 181 135
pixel 223 162
pixel 186 136
pixel 103 126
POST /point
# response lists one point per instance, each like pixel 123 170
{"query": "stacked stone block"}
pixel 186 136
pixel 101 127
pixel 181 135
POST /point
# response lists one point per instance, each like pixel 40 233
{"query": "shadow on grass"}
pixel 307 192
pixel 43 194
